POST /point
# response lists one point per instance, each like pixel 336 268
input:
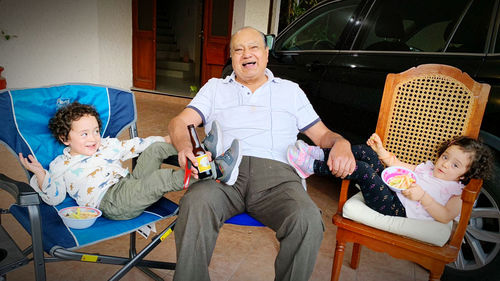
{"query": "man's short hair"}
pixel 247 27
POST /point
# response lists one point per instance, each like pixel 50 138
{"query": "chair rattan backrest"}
pixel 426 105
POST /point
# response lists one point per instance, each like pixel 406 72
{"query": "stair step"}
pixel 163 24
pixel 162 17
pixel 173 73
pixel 165 32
pixel 168 55
pixel 165 39
pixel 166 47
pixel 175 65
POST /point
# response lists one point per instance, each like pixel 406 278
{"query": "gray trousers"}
pixel 268 190
pixel 129 197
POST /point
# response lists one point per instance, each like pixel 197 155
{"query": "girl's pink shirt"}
pixel 439 190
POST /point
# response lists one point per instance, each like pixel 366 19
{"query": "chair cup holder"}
pixel 3 254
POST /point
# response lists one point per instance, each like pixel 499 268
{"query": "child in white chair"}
pixel 91 172
pixel 436 195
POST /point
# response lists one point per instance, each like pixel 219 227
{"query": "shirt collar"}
pixel 232 77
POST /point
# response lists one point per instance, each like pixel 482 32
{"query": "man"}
pixel 265 113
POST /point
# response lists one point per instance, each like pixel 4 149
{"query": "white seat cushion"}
pixel 432 232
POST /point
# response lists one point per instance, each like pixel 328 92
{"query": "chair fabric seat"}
pixel 56 233
pixel 431 232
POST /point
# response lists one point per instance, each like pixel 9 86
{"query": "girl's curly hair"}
pixel 60 124
pixel 481 166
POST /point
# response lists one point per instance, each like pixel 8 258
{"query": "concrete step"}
pixel 174 73
pixel 165 39
pixel 175 65
pixel 163 24
pixel 166 47
pixel 168 55
pixel 162 16
pixel 165 31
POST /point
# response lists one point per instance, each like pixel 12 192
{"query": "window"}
pixel 470 35
pixel 497 43
pixel 322 30
pixel 410 26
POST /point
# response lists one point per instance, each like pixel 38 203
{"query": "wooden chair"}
pixel 420 108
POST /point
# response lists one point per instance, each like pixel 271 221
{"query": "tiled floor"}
pixel 177 86
pixel 241 253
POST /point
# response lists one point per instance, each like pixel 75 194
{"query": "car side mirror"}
pixel 270 40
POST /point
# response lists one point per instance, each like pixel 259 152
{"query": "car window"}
pixel 321 30
pixel 470 35
pixel 411 26
pixel 497 43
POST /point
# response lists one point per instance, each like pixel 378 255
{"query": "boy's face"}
pixel 84 137
pixel 452 164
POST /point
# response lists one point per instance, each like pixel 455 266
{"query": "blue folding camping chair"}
pixel 24 116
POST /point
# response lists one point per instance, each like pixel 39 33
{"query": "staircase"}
pixel 169 63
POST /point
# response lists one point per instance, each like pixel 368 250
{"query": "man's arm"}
pixel 179 135
pixel 341 160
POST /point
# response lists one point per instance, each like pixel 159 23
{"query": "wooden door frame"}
pixel 138 39
pixel 221 40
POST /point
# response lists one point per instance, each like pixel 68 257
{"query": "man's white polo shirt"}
pixel 265 122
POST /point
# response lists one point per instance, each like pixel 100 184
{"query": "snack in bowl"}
pixel 398 178
pixel 79 217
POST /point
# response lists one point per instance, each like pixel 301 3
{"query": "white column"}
pixel 253 13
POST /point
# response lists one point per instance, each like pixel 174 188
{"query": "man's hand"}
pixel 341 160
pixel 187 155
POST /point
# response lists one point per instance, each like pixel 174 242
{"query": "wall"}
pixel 60 41
pixel 253 13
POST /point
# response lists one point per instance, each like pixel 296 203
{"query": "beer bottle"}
pixel 204 169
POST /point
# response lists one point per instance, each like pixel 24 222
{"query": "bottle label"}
pixel 203 163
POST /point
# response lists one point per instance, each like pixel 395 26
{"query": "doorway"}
pixel 175 62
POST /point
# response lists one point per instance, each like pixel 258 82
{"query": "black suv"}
pixel 340 52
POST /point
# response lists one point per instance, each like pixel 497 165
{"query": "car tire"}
pixel 483 232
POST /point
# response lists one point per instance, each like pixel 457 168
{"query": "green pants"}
pixel 129 197
pixel 268 190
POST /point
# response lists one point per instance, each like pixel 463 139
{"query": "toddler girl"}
pixel 437 193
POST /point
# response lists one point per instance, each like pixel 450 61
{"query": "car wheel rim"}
pixel 482 239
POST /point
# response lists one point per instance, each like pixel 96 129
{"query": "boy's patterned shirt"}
pixel 87 178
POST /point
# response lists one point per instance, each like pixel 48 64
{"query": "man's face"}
pixel 249 55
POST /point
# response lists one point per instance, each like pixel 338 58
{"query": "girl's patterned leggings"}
pixel 367 175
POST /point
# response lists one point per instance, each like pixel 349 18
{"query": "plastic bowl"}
pixel 390 172
pixel 79 217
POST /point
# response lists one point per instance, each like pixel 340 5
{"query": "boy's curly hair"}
pixel 481 166
pixel 60 123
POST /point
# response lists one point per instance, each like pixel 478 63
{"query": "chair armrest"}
pixel 469 196
pixel 21 191
pixel 344 188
